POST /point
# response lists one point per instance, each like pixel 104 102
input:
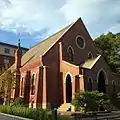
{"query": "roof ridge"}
pixel 52 35
pixel 96 59
pixel 68 27
pixel 45 45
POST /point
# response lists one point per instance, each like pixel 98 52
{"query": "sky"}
pixel 34 20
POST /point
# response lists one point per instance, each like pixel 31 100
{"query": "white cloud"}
pixel 35 15
pixel 99 15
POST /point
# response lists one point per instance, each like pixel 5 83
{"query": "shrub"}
pixel 36 114
pixel 65 118
pixel 5 109
pixel 91 101
pixel 18 102
pixel 115 99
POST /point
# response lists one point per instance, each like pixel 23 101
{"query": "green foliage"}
pixel 115 99
pixel 36 114
pixel 90 101
pixel 5 109
pixel 7 83
pixel 65 118
pixel 18 102
pixel 109 46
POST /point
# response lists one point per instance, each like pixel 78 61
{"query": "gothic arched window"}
pixel 33 84
pixel 70 54
pixel 22 86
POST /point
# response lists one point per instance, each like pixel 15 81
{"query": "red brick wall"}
pixel 51 59
pixel 55 77
pixel 69 40
pixel 73 71
pixel 33 67
pixel 58 69
pixel 101 64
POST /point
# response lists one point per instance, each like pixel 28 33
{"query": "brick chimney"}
pixel 18 56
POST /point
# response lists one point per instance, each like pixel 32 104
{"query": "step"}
pixel 65 107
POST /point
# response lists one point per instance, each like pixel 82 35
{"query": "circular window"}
pixel 80 42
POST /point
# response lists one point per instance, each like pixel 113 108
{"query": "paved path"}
pixel 11 117
pixel 3 117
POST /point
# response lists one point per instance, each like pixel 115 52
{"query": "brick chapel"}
pixel 52 71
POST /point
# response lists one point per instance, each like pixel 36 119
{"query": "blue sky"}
pixel 34 20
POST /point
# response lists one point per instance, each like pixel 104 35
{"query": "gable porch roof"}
pixel 88 64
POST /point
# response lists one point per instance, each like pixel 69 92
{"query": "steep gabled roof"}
pixel 41 48
pixel 90 63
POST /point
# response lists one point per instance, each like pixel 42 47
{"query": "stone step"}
pixel 64 107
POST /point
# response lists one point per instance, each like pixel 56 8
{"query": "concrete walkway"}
pixel 11 117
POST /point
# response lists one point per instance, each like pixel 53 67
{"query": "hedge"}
pixel 35 114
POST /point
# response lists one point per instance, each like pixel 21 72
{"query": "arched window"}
pixel 102 80
pixel 33 84
pixel 114 86
pixel 22 87
pixel 70 54
pixel 90 56
pixel 89 84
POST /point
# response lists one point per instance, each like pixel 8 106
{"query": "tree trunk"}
pixel 5 100
pixel 5 96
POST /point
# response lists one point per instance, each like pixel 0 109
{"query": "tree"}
pixel 90 101
pixel 7 80
pixel 109 46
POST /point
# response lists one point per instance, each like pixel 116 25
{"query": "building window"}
pixel 90 84
pixel 70 54
pixel 80 42
pixel 7 50
pixel 22 87
pixel 6 60
pixel 33 84
pixel 90 56
pixel 114 86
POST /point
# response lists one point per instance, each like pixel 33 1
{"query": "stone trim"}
pixel 71 48
pixel 106 79
pixel 70 64
pixel 77 43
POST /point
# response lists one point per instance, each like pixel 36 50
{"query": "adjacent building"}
pixel 7 53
